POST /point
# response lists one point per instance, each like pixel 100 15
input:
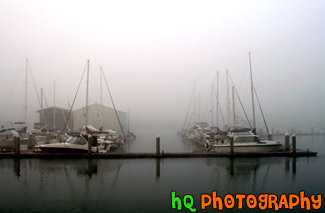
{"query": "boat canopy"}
pixel 240 130
pixel 10 129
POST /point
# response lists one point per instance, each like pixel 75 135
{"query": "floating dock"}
pixel 111 155
pixel 285 152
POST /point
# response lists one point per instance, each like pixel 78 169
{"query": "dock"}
pixel 110 155
pixel 286 151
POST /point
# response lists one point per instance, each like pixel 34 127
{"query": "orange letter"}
pixel 251 201
pixel 276 207
pixel 216 198
pixel 203 199
pixel 229 201
pixel 263 201
pixel 291 203
pixel 283 201
pixel 240 198
pixel 317 203
pixel 304 200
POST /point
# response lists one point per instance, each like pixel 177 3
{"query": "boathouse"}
pixel 99 116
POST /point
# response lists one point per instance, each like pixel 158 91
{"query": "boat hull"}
pixel 65 148
pixel 62 150
pixel 245 148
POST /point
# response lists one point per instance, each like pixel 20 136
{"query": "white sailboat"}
pixel 245 139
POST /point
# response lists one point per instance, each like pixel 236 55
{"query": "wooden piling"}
pixel 48 138
pixel 231 145
pixel 31 144
pixel 17 145
pixel 157 145
pixel 269 136
pixel 89 144
pixel 293 143
pixel 286 142
pixel 58 138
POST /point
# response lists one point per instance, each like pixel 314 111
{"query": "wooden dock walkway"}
pixel 111 155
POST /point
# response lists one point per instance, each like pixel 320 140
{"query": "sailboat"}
pixel 245 139
pixel 75 143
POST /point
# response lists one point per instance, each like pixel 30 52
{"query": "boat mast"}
pixel 101 96
pixel 233 105
pixel 212 107
pixel 194 111
pixel 87 92
pixel 252 90
pixel 228 102
pixel 54 108
pixel 128 121
pixel 217 99
pixel 42 115
pixel 26 92
pixel 199 107
pixel 101 85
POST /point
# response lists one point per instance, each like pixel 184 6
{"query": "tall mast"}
pixel 228 101
pixel 26 92
pixel 54 108
pixel 212 107
pixel 128 121
pixel 194 108
pixel 233 105
pixel 252 90
pixel 101 85
pixel 101 96
pixel 42 115
pixel 87 92
pixel 217 99
pixel 199 107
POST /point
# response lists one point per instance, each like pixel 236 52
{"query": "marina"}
pixel 162 106
pixel 98 184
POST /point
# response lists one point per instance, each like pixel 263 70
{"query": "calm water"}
pixel 144 185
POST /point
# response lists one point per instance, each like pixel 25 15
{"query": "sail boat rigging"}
pixel 252 91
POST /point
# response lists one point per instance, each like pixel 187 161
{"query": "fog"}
pixel 154 52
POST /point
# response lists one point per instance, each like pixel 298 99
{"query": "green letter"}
pixel 176 199
pixel 189 205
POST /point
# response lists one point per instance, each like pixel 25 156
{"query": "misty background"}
pixel 153 52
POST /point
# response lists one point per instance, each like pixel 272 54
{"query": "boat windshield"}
pixel 76 140
pixel 247 139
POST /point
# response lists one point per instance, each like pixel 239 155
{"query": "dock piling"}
pixel 48 138
pixel 231 145
pixel 17 145
pixel 286 142
pixel 31 144
pixel 157 145
pixel 89 144
pixel 293 143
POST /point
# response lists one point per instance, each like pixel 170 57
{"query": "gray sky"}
pixel 152 52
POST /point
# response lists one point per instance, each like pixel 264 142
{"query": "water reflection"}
pixel 17 167
pixel 158 169
pixel 106 184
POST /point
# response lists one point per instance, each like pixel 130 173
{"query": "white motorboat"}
pixel 8 134
pixel 74 144
pixel 245 141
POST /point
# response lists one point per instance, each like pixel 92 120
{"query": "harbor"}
pixel 42 179
pixel 162 106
